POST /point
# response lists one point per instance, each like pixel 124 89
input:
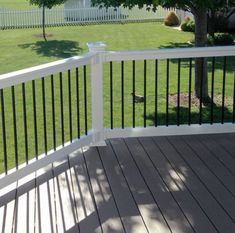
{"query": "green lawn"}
pixel 23 48
pixel 16 4
pixel 70 41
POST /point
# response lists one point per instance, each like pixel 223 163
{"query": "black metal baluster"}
pixel 234 97
pixel 70 107
pixel 53 111
pixel 133 94
pixel 156 93
pixel 212 89
pixel 178 94
pixel 223 90
pixel 111 95
pixel 189 91
pixel 25 123
pixel 44 114
pixel 201 87
pixel 14 125
pixel 78 103
pixel 35 119
pixel 167 91
pixel 85 98
pixel 122 83
pixel 61 107
pixel 4 137
pixel 145 92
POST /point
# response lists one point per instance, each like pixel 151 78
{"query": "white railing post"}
pixel 97 92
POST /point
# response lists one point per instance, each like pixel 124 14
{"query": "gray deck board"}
pixel 193 152
pixel 131 217
pixel 178 187
pixel 142 193
pixel 109 216
pixel 216 159
pixel 200 191
pixel 177 184
pixel 85 203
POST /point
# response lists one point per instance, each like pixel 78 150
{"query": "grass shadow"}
pixel 172 45
pixel 54 48
pixel 206 116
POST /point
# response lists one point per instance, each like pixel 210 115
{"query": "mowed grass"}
pixel 21 48
pixel 16 4
pixel 24 48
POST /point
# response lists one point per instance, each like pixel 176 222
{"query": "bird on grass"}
pixel 138 98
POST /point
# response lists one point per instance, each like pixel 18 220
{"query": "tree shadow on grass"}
pixel 54 48
pixel 171 45
pixel 193 118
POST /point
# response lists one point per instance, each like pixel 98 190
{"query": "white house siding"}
pixel 71 4
pixel 182 14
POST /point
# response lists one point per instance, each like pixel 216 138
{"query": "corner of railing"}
pixel 98 49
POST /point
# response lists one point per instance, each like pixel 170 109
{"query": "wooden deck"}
pixel 179 184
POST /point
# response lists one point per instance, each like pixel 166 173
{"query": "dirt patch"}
pixel 184 100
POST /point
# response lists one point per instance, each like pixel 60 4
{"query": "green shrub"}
pixel 171 19
pixel 221 39
pixel 188 25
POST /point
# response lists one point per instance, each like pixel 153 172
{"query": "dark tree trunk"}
pixel 201 80
pixel 43 23
pixel 211 23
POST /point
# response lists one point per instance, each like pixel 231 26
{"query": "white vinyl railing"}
pixel 59 16
pixel 96 58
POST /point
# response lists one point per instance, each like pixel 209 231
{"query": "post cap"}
pixel 96 46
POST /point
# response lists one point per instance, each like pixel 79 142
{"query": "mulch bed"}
pixel 184 98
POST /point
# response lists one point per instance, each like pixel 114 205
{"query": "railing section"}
pixel 150 89
pixel 49 111
pixel 45 113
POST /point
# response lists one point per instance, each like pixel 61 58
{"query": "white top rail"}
pixel 215 51
pixel 33 73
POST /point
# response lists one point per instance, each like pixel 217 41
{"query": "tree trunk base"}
pixel 206 101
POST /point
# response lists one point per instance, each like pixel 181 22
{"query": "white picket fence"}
pixel 59 16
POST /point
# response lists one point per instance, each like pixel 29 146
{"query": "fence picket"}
pixel 59 16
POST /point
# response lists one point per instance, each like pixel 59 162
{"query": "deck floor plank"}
pixel 25 209
pixel 131 217
pixel 215 158
pixel 59 215
pixel 229 137
pixel 177 187
pixel 153 198
pixel 64 200
pixel 52 202
pixel 192 153
pixel 8 221
pixel 225 146
pixel 221 220
pixel 85 206
pixel 107 210
pixel 45 217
